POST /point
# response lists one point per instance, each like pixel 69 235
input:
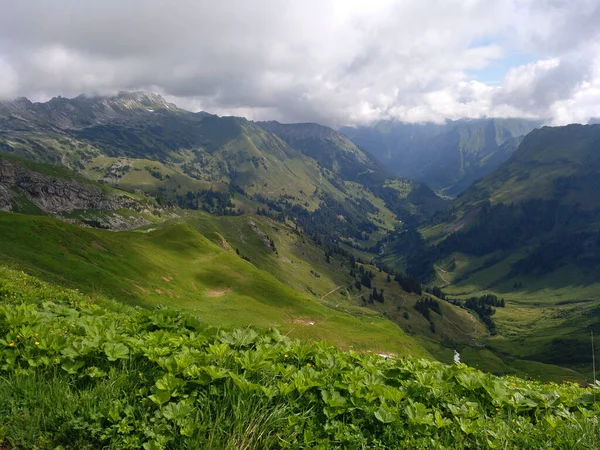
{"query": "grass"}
pixel 178 266
pixel 546 322
pixel 85 372
pixel 297 257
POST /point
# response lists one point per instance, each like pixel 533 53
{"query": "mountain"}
pixel 335 152
pixel 243 223
pixel 295 211
pixel 42 189
pixel 542 201
pixel 331 149
pixel 139 141
pixel 528 232
pixel 447 157
pixel 83 111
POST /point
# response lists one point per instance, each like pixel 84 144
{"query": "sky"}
pixel 338 62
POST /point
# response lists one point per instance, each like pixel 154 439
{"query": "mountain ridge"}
pixel 449 156
pixel 528 232
pixel 138 141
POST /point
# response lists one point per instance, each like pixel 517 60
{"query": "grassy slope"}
pixel 178 266
pixel 540 309
pixel 298 263
pixel 298 260
pixel 83 372
pixel 544 156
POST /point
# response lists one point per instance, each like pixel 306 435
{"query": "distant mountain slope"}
pixel 543 198
pixel 43 189
pixel 138 141
pixel 447 157
pixel 342 157
pixel 529 232
pixel 560 164
pixel 331 149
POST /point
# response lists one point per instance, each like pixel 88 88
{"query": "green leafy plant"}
pixel 81 372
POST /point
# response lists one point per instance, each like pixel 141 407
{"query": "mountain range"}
pixel 138 141
pixel 530 232
pixel 313 230
pixel 448 157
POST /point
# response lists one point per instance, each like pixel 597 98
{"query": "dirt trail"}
pixel 216 292
pixel 464 221
pixel 439 272
pixel 331 292
pixel 471 334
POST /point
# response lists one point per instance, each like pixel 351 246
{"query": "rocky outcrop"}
pixel 57 195
pixel 5 199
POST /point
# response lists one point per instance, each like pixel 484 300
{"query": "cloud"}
pixel 9 80
pixel 332 61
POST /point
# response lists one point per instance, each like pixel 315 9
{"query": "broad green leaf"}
pixel 418 414
pixel 333 398
pixel 385 415
pixel 177 411
pixel 116 351
pixel 160 397
pixel 216 373
pixel 169 382
pixel 71 366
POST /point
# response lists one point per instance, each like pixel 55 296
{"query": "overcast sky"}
pixel 331 61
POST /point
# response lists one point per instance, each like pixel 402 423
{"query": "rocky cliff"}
pixel 55 195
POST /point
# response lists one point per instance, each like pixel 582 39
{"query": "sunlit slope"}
pixel 528 232
pixel 180 267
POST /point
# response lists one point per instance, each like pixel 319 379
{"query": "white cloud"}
pixel 8 80
pixel 333 61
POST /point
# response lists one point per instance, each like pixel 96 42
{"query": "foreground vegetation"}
pixel 85 372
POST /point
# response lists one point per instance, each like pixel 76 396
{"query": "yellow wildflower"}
pixel 308 364
pixel 37 343
pixel 285 356
pixel 12 344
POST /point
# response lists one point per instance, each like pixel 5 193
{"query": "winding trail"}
pixel 331 292
pixel 439 271
pixel 472 333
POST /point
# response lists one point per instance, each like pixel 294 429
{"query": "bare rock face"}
pixel 5 199
pixel 57 195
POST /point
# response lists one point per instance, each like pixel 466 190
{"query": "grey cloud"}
pixel 333 61
pixel 546 86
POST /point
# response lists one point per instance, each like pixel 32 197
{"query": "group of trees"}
pixel 377 295
pixel 425 306
pixel 435 290
pixel 213 202
pixel 365 277
pixel 483 306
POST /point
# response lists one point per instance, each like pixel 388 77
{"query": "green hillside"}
pixel 80 371
pixel 180 267
pixel 336 153
pixel 528 233
pixel 225 165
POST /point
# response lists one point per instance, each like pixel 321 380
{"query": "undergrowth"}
pixel 89 373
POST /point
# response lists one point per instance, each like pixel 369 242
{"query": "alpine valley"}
pixel 128 216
